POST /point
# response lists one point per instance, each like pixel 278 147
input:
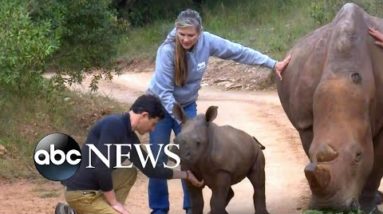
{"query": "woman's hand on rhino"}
pixel 377 35
pixel 280 66
pixel 192 179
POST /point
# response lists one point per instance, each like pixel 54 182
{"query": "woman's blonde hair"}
pixel 187 18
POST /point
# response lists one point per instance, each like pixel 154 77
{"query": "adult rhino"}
pixel 221 156
pixel 332 92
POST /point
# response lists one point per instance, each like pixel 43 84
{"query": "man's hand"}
pixel 192 179
pixel 377 35
pixel 120 208
pixel 280 66
pixel 110 197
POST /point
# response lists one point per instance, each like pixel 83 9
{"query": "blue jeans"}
pixel 158 188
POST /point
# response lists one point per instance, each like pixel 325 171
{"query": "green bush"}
pixel 88 31
pixel 70 36
pixel 24 47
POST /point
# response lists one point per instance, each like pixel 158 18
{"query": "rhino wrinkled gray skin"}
pixel 332 92
pixel 221 156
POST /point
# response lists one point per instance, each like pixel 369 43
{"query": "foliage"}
pixel 24 47
pixel 323 11
pixel 140 13
pixel 268 26
pixel 70 37
pixel 89 33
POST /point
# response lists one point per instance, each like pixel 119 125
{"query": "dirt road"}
pixel 258 113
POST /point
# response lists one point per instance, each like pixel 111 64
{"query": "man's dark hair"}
pixel 148 103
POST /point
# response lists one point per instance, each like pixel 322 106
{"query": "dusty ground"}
pixel 222 74
pixel 258 113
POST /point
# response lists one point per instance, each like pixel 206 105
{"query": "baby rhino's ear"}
pixel 179 113
pixel 211 113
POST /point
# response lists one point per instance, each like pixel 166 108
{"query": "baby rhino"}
pixel 221 156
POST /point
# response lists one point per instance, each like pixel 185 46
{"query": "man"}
pixel 102 189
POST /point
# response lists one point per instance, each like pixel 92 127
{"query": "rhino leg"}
pixel 220 193
pixel 230 195
pixel 370 193
pixel 257 179
pixel 196 199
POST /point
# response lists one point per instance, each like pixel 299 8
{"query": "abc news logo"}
pixel 57 156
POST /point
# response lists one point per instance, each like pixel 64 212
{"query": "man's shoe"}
pixel 62 208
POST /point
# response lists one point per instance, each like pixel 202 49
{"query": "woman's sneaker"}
pixel 62 208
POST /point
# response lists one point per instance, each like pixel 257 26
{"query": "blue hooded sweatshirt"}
pixel 162 83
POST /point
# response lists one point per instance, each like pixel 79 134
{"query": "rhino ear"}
pixel 211 113
pixel 179 113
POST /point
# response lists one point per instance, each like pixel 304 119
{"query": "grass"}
pixel 142 43
pixel 24 120
pixel 261 25
pixel 271 27
pixel 268 26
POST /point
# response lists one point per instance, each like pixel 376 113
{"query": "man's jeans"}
pixel 158 188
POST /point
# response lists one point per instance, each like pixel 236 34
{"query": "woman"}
pixel 181 61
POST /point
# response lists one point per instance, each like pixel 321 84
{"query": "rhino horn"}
pixel 326 153
pixel 318 177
